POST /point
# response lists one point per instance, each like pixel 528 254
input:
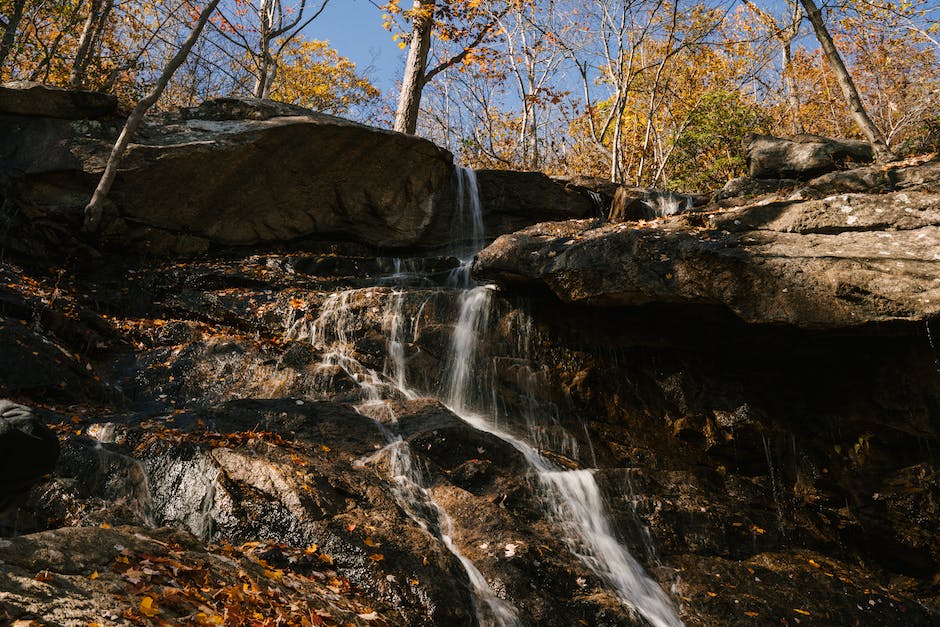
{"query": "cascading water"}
pixel 572 498
pixel 421 507
pixel 469 220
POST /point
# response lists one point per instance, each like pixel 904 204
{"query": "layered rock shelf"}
pixel 842 261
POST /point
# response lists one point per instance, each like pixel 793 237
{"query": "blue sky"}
pixel 354 29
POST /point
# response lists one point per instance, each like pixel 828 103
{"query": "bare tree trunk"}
pixel 864 122
pixel 9 31
pixel 95 208
pixel 409 99
pixel 77 75
pixel 262 88
pixel 789 85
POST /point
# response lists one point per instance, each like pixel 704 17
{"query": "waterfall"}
pixel 469 220
pixel 474 310
pixel 571 498
pixel 416 500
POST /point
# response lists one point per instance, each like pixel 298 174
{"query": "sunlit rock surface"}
pixel 841 261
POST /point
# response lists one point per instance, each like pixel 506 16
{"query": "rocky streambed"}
pixel 723 416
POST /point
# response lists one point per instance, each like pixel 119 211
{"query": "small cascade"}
pixel 667 203
pixel 775 490
pixel 393 324
pixel 572 498
pixel 416 500
pixel 474 310
pixel 122 478
pixel 331 333
pixel 469 220
pixel 600 207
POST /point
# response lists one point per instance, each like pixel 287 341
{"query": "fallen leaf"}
pixel 376 557
pixel 147 607
pixel 93 576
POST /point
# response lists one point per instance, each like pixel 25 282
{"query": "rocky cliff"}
pixel 723 416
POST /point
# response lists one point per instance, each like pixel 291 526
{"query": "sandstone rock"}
pixel 28 450
pixel 802 156
pixel 36 99
pixel 876 179
pixel 840 262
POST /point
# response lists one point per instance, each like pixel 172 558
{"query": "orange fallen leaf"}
pixel 93 576
pixel 43 576
pixel 376 557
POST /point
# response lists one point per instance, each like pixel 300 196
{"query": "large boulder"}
pixel 274 175
pixel 802 156
pixel 36 99
pixel 842 261
pixel 28 450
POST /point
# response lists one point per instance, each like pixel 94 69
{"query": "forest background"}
pixel 644 92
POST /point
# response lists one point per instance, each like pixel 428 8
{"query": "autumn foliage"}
pixel 643 92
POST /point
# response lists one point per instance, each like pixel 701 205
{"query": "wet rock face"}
pixel 241 411
pixel 28 450
pixel 750 456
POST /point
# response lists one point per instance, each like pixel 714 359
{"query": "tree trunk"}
pixel 409 99
pixel 9 33
pixel 80 64
pixel 864 122
pixel 95 208
pixel 792 93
